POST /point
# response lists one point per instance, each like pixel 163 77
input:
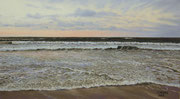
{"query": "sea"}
pixel 57 65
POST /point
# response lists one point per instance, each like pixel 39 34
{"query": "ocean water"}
pixel 27 65
pixel 46 45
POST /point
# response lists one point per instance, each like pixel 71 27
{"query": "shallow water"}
pixel 68 69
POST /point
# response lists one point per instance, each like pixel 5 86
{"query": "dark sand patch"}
pixel 5 42
pixel 143 91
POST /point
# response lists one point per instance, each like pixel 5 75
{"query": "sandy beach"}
pixel 142 91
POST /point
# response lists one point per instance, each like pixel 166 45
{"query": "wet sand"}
pixel 143 91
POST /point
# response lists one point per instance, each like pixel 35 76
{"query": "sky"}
pixel 90 18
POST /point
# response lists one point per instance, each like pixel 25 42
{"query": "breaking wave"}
pixel 46 45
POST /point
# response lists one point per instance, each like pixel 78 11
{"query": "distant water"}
pixel 45 66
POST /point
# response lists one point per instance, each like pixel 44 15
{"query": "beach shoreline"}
pixel 139 91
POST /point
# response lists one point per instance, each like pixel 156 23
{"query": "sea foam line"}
pixel 125 83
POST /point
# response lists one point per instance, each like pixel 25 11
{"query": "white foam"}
pixel 53 70
pixel 58 45
pixel 88 86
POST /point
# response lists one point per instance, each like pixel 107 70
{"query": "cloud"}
pixel 168 31
pixel 35 16
pixel 91 13
pixel 4 25
pixel 84 13
pixel 151 17
pixel 32 6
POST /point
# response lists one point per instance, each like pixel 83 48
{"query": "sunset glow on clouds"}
pixel 90 18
